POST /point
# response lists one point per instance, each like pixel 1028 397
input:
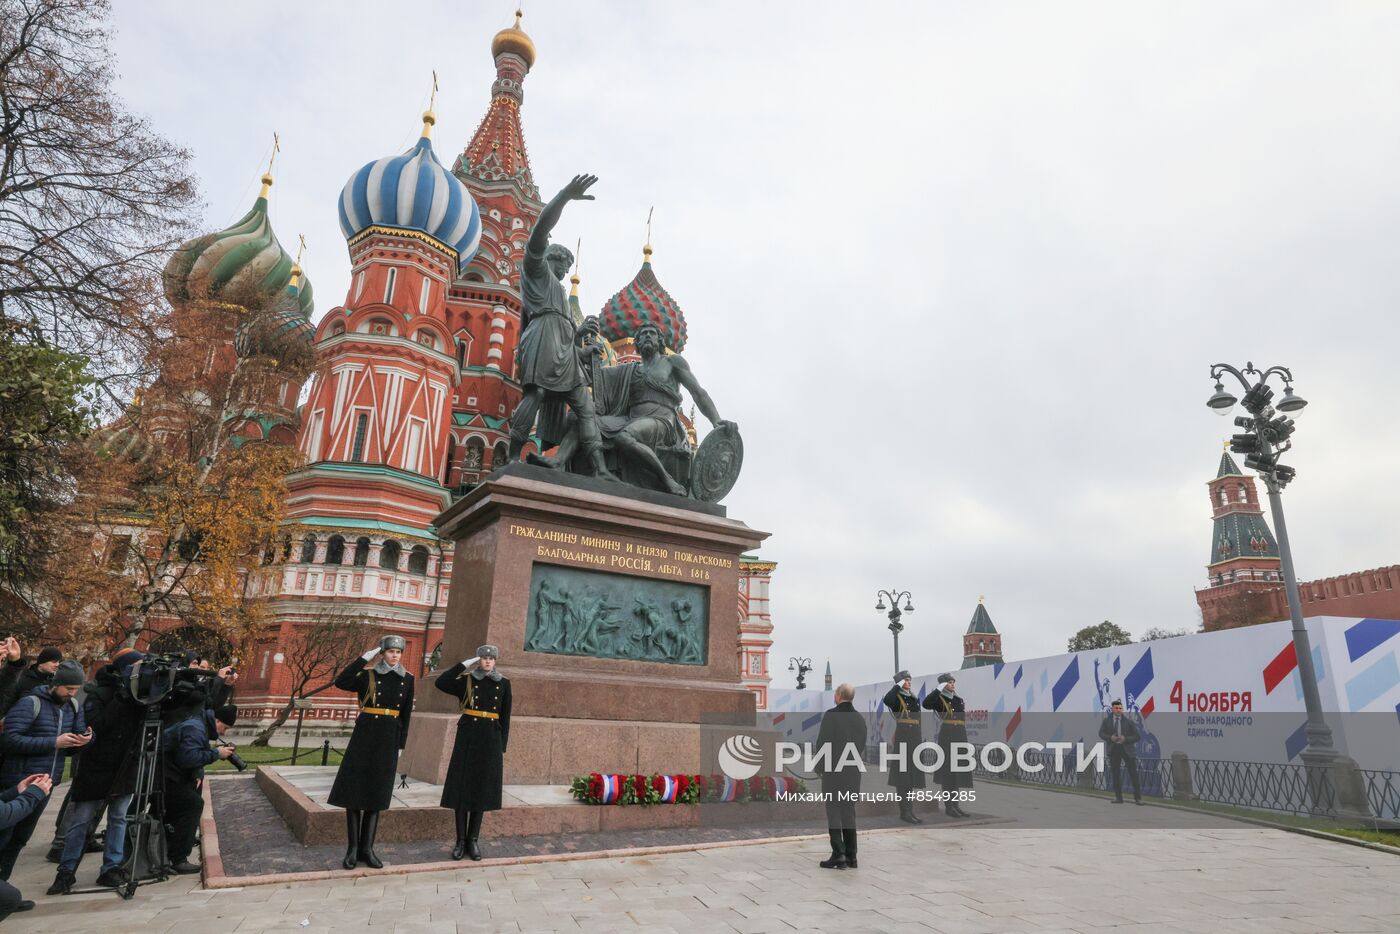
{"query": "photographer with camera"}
pixel 16 804
pixel 108 773
pixel 41 730
pixel 185 744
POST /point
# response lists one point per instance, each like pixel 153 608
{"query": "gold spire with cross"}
pixel 1224 446
pixel 980 599
pixel 646 250
pixel 295 282
pixel 429 118
pixel 573 279
pixel 267 176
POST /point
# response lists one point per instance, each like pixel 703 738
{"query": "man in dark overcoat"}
pixel 475 774
pixel 952 728
pixel 364 784
pixel 840 739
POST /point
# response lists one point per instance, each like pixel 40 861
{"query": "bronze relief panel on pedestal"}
pixel 574 611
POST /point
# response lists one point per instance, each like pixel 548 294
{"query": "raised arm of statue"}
pixel 576 190
pixel 702 398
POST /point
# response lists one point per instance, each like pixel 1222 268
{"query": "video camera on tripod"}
pixel 162 684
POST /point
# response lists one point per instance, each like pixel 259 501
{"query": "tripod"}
pixel 148 799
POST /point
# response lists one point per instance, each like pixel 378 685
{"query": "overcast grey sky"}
pixel 958 270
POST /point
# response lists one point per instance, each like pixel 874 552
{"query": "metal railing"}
pixel 1269 786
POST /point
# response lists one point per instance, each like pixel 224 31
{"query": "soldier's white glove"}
pixel 371 653
pixel 471 661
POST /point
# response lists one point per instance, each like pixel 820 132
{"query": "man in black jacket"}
pixel 16 804
pixel 840 739
pixel 107 776
pixel 1121 734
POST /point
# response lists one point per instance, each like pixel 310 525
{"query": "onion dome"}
pixel 241 265
pixel 285 321
pixel 514 39
pixel 644 300
pixel 413 192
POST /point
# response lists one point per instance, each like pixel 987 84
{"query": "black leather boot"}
pixel 838 851
pixel 368 828
pixel 473 830
pixel 460 850
pixel 352 835
pixel 848 842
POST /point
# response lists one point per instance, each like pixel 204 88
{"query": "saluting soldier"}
pixel 364 784
pixel 953 729
pixel 905 774
pixel 474 775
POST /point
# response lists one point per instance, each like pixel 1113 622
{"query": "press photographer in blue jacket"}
pixel 41 731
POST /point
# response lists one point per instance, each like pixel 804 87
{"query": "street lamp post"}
pixel 801 666
pixel 896 627
pixel 1267 435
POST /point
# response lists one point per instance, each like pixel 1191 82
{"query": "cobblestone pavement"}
pixel 1169 877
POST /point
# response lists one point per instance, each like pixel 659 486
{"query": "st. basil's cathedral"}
pixel 409 404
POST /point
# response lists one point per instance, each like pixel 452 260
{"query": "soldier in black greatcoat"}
pixel 952 729
pixel 905 774
pixel 474 775
pixel 364 784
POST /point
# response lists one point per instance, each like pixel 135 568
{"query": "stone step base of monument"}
pixel 298 794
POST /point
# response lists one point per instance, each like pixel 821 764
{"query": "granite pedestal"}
pixel 573 713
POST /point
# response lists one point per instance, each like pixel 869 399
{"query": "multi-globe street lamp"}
pixel 1267 435
pixel 896 627
pixel 801 666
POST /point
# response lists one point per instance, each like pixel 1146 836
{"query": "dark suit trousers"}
pixel 841 815
pixel 184 805
pixel 1118 757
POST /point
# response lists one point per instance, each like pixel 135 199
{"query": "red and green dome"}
pixel 641 301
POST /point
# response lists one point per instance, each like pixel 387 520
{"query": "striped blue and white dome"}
pixel 413 191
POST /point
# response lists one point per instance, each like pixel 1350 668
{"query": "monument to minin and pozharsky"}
pixel 607 574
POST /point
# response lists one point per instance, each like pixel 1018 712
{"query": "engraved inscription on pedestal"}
pixel 574 611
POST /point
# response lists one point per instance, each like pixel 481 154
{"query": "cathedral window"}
pixel 1244 494
pixel 357 449
pixel 335 550
pixel 389 555
pixel 425 295
pixel 118 551
pixel 499 455
pixel 361 551
pixel 389 286
pixel 413 450
pixel 1224 497
pixel 418 560
pixel 308 549
pixel 359 284
pixel 427 340
pixel 447 462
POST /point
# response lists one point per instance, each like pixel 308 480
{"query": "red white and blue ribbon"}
pixel 612 788
pixel 668 788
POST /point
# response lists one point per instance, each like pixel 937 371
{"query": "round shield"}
pixel 716 465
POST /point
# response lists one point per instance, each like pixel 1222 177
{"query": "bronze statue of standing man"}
pixel 551 368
